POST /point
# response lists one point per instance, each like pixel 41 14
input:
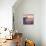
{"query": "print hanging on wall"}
pixel 28 19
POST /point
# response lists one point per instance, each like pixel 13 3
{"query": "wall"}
pixel 6 13
pixel 43 22
pixel 29 31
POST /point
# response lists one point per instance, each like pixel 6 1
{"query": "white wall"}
pixel 43 22
pixel 6 13
pixel 30 31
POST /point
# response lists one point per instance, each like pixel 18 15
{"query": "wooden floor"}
pixel 9 43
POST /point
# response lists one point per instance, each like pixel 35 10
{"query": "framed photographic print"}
pixel 28 19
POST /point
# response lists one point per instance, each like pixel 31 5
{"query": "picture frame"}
pixel 28 19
